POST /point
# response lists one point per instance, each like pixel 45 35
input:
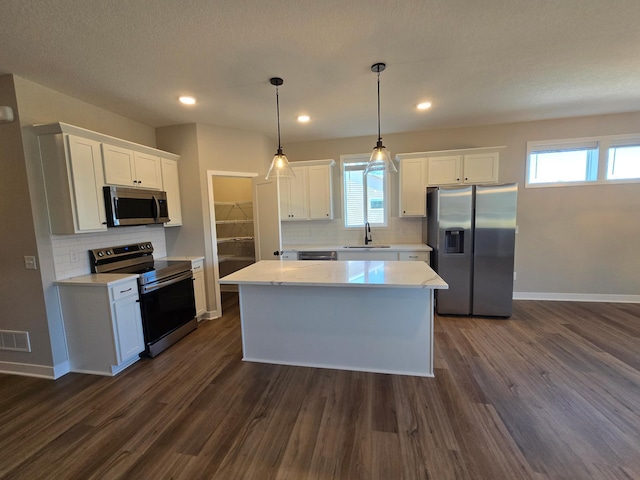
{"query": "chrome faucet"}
pixel 367 234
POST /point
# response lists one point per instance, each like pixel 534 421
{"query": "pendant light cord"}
pixel 379 136
pixel 278 114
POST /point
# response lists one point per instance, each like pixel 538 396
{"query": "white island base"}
pixel 358 315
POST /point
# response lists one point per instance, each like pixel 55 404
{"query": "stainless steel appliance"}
pixel 167 299
pixel 135 206
pixel 472 232
pixel 318 255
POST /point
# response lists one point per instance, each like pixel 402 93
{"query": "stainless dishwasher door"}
pixel 326 255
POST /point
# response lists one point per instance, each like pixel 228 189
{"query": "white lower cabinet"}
pixel 197 268
pixel 420 256
pixel 417 256
pixel 289 255
pixel 103 324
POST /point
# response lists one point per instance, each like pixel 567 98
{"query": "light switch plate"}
pixel 30 262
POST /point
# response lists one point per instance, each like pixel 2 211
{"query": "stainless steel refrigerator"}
pixel 472 232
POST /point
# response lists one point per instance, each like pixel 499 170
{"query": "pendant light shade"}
pixel 279 165
pixel 380 160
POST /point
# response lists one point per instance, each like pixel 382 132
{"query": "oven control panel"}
pixel 101 255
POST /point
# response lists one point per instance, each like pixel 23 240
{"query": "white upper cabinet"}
pixel 480 168
pixel 294 203
pixel 127 167
pixel 413 182
pixel 320 192
pixel 444 170
pixel 73 176
pixel 465 168
pixel 77 164
pixel 171 185
pixel 308 196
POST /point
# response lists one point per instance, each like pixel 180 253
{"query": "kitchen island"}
pixel 371 316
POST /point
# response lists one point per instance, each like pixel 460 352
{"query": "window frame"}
pixel 362 158
pixel 598 164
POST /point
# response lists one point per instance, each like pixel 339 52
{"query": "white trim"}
pixel 577 297
pixel 360 158
pixel 38 371
pixel 404 156
pixel 210 314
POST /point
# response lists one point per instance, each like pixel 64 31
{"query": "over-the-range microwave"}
pixel 135 206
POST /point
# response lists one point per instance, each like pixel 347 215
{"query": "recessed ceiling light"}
pixel 424 106
pixel 304 118
pixel 187 100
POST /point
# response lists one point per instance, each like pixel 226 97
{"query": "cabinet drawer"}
pixel 124 290
pixel 415 256
pixel 197 266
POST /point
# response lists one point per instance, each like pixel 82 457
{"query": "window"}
pixel 623 162
pixel 563 163
pixel 586 161
pixel 365 196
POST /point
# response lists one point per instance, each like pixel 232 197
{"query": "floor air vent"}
pixel 12 340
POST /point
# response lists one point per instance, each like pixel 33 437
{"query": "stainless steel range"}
pixel 167 299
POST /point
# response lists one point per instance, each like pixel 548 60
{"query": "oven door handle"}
pixel 165 283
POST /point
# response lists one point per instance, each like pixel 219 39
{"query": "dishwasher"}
pixel 318 255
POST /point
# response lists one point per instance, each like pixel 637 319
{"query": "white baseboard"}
pixel 576 297
pixel 39 371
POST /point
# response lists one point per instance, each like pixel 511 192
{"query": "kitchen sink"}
pixel 367 246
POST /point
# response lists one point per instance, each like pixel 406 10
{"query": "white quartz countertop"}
pixel 389 247
pixel 354 273
pixel 98 279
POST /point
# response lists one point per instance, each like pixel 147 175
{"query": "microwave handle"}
pixel 156 209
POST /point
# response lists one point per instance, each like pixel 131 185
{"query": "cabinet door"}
pixel 199 288
pixel 293 196
pixel 320 200
pixel 170 184
pixel 127 324
pixel 118 165
pixel 444 170
pixel 413 197
pixel 87 179
pixel 481 168
pixel 370 255
pixel 420 256
pixel 148 172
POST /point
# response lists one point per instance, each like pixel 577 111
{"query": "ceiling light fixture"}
pixel 424 106
pixel 187 100
pixel 279 165
pixel 380 160
pixel 304 118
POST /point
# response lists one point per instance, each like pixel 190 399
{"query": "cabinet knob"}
pixel 458 179
pixel 276 253
pixel 466 178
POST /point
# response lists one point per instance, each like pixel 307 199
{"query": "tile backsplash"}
pixel 71 252
pixel 400 230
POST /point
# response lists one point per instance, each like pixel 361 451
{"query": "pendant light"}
pixel 279 165
pixel 380 160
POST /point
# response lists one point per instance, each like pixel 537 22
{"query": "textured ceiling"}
pixel 479 62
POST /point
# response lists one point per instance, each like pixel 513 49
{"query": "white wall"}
pixel 573 242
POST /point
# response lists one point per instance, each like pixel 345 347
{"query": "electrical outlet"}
pixel 73 257
pixel 30 263
pixel 514 275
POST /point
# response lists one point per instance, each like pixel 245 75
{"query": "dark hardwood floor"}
pixel 552 393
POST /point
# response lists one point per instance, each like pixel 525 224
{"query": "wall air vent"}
pixel 16 341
